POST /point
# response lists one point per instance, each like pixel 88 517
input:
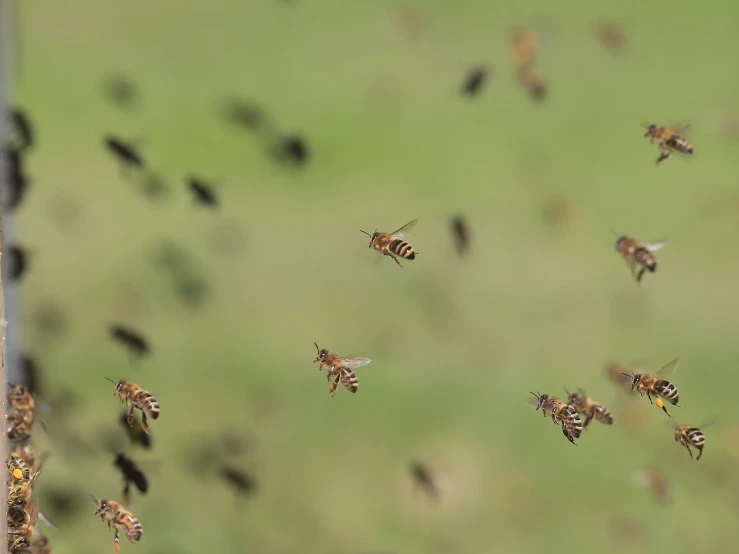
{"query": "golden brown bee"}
pixel 133 396
pixel 561 413
pixel 392 244
pixel 589 408
pixel 19 538
pixel 669 140
pixel 21 425
pixel 656 385
pixel 654 479
pixel 18 469
pixel 339 369
pixel 689 435
pixel 117 517
pixel 20 398
pixel 637 253
pixel 426 480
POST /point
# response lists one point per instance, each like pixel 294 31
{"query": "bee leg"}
pixel 117 541
pixel 664 409
pixel 587 422
pixel 650 398
pixel 700 453
pixel 130 416
pixel 688 449
pixel 144 425
pixel 662 157
pixel 640 274
pixel 395 258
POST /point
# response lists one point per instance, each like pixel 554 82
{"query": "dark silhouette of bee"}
pixel 534 84
pixel 155 187
pixel 64 503
pixel 134 341
pixel 461 234
pixel 202 192
pixel 126 153
pixel 120 91
pixel 475 81
pixel 48 321
pixel 425 479
pixel 31 374
pixel 17 262
pixel 135 432
pixel 246 114
pixel 292 149
pixel 131 475
pixel 192 290
pixel 25 137
pixel 17 180
pixel 243 483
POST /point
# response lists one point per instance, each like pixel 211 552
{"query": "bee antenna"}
pixel 614 233
pixel 535 394
pixel 94 499
pixel 631 375
pixel 365 232
pixel 111 380
pixel 316 345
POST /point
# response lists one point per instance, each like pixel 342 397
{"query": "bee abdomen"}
pixel 645 258
pixel 402 249
pixel 680 144
pixel 573 421
pixel 149 404
pixel 603 415
pixel 134 531
pixel 696 437
pixel 668 391
pixel 350 380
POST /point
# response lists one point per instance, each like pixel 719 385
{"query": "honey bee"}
pixel 525 46
pixel 475 80
pixel 202 192
pixel 41 546
pixel 615 372
pixel 689 435
pixel 126 152
pixel 21 425
pixel 669 140
pixel 656 385
pixel 131 474
pixel 560 412
pixel 461 234
pixel 19 538
pixel 117 517
pixel 589 408
pixel 426 480
pixel 637 253
pixel 654 479
pixel 392 244
pixel 19 493
pixel 133 340
pixel 20 398
pixel 339 369
pixel 133 396
pixel 18 469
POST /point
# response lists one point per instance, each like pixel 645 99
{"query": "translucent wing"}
pixel 682 127
pixel 641 477
pixel 654 246
pixel 533 401
pixel 355 362
pixel 47 521
pixel 669 369
pixel 405 229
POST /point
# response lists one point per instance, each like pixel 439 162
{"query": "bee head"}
pixel 17 391
pixel 541 398
pixel 321 354
pixel 650 130
pixel 635 378
pixel 373 237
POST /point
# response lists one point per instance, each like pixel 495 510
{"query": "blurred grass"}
pixel 456 345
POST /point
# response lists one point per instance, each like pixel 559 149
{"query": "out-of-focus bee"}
pixel 525 47
pixel 475 80
pixel 131 474
pixel 19 538
pixel 668 139
pixel 392 244
pixel 292 149
pixel 135 432
pixel 126 152
pixel 23 130
pixel 339 369
pixel 587 407
pixel 461 234
pixel 424 477
pixel 18 181
pixel 534 84
pixel 116 516
pixel 120 91
pixel 30 369
pixel 560 412
pixel 657 385
pixel 133 396
pixel 41 545
pixel 610 35
pixel 655 480
pixel 17 260
pixel 202 192
pixel 617 374
pixel 133 340
pixel 638 253
pixel 241 481
pixel 690 435
pixel 20 398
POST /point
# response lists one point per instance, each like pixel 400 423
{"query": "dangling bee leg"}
pixel 700 453
pixel 394 258
pixel 567 434
pixel 332 388
pixel 640 274
pixel 587 422
pixel 688 449
pixel 130 416
pixel 144 425
pixel 650 397
pixel 662 157
pixel 117 541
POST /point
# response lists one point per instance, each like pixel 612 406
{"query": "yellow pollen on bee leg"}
pixel 660 404
pixel 17 474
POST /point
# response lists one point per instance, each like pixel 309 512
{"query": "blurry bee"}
pixel 24 132
pixel 655 480
pixel 30 370
pixel 126 153
pixel 392 244
pixel 242 482
pixel 475 81
pixel 534 84
pixel 656 384
pixel 131 474
pixel 135 432
pixel 560 412
pixel 461 234
pixel 610 35
pixel 17 260
pixel 202 192
pixel 134 341
pixel 41 546
pixel 20 398
pixel 133 396
pixel 689 435
pixel 116 516
pixel 340 369
pixel 637 253
pixel 19 538
pixel 669 140
pixel 120 91
pixel 616 373
pixel 292 149
pixel 17 181
pixel 425 479
pixel 525 46
pixel 587 407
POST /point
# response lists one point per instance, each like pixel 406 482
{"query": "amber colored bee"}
pixel 339 369
pixel 131 474
pixel 202 192
pixel 533 83
pixel 560 412
pixel 689 435
pixel 126 152
pixel 461 234
pixel 587 407
pixel 475 81
pixel 20 398
pixel 656 385
pixel 27 454
pixel 525 47
pixel 636 254
pixel 669 140
pixel 116 516
pixel 655 480
pixel 424 477
pixel 135 432
pixel 133 340
pixel 610 35
pixel 133 396
pixel 392 244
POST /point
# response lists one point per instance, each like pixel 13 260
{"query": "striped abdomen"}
pixel 603 415
pixel 645 258
pixel 402 249
pixel 147 404
pixel 349 379
pixel 679 144
pixel 696 437
pixel 668 391
pixel 133 528
pixel 571 419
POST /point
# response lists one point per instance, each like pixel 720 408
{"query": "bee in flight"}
pixel 392 244
pixel 476 80
pixel 133 396
pixel 616 373
pixel 587 407
pixel 654 479
pixel 115 515
pixel 638 253
pixel 560 412
pixel 426 479
pixel 656 385
pixel 132 474
pixel 669 140
pixel 339 369
pixel 690 435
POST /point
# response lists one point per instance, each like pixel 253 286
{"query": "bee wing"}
pixel 355 362
pixel 47 521
pixel 32 510
pixel 405 229
pixel 656 245
pixel 641 477
pixel 532 401
pixel 669 369
pixel 682 127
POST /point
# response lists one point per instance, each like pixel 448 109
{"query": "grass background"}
pixel 456 344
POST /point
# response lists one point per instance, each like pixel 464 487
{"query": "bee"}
pixel 131 474
pixel 339 369
pixel 23 129
pixel 475 81
pixel 120 91
pixel 656 385
pixel 534 84
pixel 133 340
pixel 392 244
pixel 134 396
pixel 525 46
pixel 615 372
pixel 20 398
pixel 689 435
pixel 135 432
pixel 242 482
pixel 610 36
pixel 27 455
pixel 637 253
pixel 654 479
pixel 18 468
pixel 202 192
pixel 18 181
pixel 17 260
pixel 292 149
pixel 117 517
pixel 461 234
pixel 669 140
pixel 126 153
pixel 424 477
pixel 587 407
pixel 19 538
pixel 560 412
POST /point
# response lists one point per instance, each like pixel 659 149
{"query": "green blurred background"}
pixel 456 344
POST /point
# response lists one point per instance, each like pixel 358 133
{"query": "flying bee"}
pixel 616 373
pixel 610 35
pixel 131 474
pixel 339 369
pixel 426 480
pixel 17 260
pixel 475 81
pixel 392 244
pixel 669 140
pixel 654 479
pixel 117 517
pixel 291 149
pixel 637 253
pixel 242 482
pixel 24 131
pixel 587 407
pixel 525 46
pixel 126 152
pixel 656 385
pixel 135 432
pixel 690 435
pixel 560 412
pixel 202 192
pixel 133 396
pixel 133 340
pixel 534 84
pixel 461 234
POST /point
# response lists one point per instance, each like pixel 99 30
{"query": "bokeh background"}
pixel 540 302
